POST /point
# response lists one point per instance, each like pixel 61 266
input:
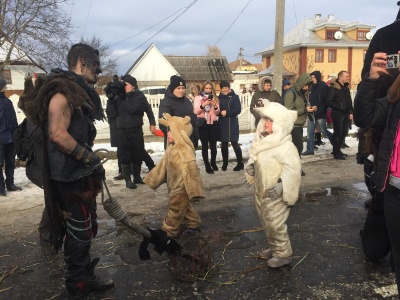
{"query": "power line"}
pixel 87 17
pixel 147 28
pixel 233 22
pixel 185 10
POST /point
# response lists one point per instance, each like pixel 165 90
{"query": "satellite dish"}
pixel 369 35
pixel 338 35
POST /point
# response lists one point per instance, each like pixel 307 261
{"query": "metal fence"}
pixel 246 119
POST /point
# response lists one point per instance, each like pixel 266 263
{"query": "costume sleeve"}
pixel 291 174
pixel 158 175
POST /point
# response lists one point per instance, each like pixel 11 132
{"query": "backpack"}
pixel 22 142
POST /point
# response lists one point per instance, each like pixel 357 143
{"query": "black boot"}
pixel 318 140
pixel 225 155
pixel 214 166
pixel 90 284
pixel 12 188
pixel 209 170
pixel 136 173
pixel 127 170
pixel 2 191
pixel 239 158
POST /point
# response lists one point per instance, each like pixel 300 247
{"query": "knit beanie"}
pixel 131 80
pixel 3 83
pixel 285 82
pixel 224 83
pixel 176 81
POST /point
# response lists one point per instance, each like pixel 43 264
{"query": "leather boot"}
pixel 225 156
pixel 209 170
pixel 127 170
pixel 136 173
pixel 239 158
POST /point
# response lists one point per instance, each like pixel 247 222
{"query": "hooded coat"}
pixel 272 96
pixel 339 97
pixel 318 94
pixel 178 168
pixel 296 100
pixel 275 159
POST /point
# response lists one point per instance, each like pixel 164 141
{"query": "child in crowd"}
pixel 178 168
pixel 275 170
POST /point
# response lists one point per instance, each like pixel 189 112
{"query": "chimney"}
pixel 317 16
pixel 331 17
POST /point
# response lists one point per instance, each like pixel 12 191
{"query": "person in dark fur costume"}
pixel 66 107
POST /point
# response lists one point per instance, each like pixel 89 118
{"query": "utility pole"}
pixel 240 57
pixel 278 53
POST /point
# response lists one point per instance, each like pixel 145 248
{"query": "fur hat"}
pixel 176 81
pixel 131 80
pixel 224 83
pixel 3 83
pixel 181 128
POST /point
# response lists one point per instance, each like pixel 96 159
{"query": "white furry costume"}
pixel 275 157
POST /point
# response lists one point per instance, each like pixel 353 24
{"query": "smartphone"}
pixel 392 61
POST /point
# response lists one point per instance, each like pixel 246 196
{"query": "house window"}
pixel 361 35
pixel 268 62
pixel 7 76
pixel 330 34
pixel 332 55
pixel 319 55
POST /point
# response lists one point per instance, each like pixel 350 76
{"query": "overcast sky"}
pixel 124 24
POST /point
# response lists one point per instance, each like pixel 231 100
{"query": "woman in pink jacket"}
pixel 206 107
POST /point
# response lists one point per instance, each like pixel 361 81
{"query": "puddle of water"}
pixel 328 191
pixel 361 186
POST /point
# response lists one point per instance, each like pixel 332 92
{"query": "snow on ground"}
pixel 323 152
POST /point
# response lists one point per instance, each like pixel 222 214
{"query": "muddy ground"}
pixel 324 230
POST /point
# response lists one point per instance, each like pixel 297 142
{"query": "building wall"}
pixel 291 60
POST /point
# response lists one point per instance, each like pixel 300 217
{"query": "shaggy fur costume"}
pixel 178 168
pixel 275 158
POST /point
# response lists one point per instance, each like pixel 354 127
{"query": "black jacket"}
pixel 318 95
pixel 178 107
pixel 132 109
pixel 383 117
pixel 339 98
pixel 228 126
pixel 8 120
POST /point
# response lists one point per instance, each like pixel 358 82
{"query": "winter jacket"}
pixel 8 120
pixel 209 113
pixel 228 126
pixel 272 96
pixel 296 100
pixel 384 118
pixel 112 114
pixel 275 156
pixel 317 97
pixel 339 97
pixel 132 109
pixel 179 107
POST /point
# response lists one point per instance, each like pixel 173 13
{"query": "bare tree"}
pixel 108 63
pixel 213 51
pixel 34 28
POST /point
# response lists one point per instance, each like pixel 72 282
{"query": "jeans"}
pixel 310 132
pixel 7 157
pixel 208 136
pixel 297 138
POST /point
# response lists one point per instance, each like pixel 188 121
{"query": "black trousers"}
pixel 340 130
pixel 131 146
pixel 208 138
pixel 391 204
pixel 7 157
pixel 297 138
pixel 81 227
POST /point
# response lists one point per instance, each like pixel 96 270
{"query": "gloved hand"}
pixel 161 243
pixel 274 192
pixel 89 159
pixel 250 169
pixel 250 172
